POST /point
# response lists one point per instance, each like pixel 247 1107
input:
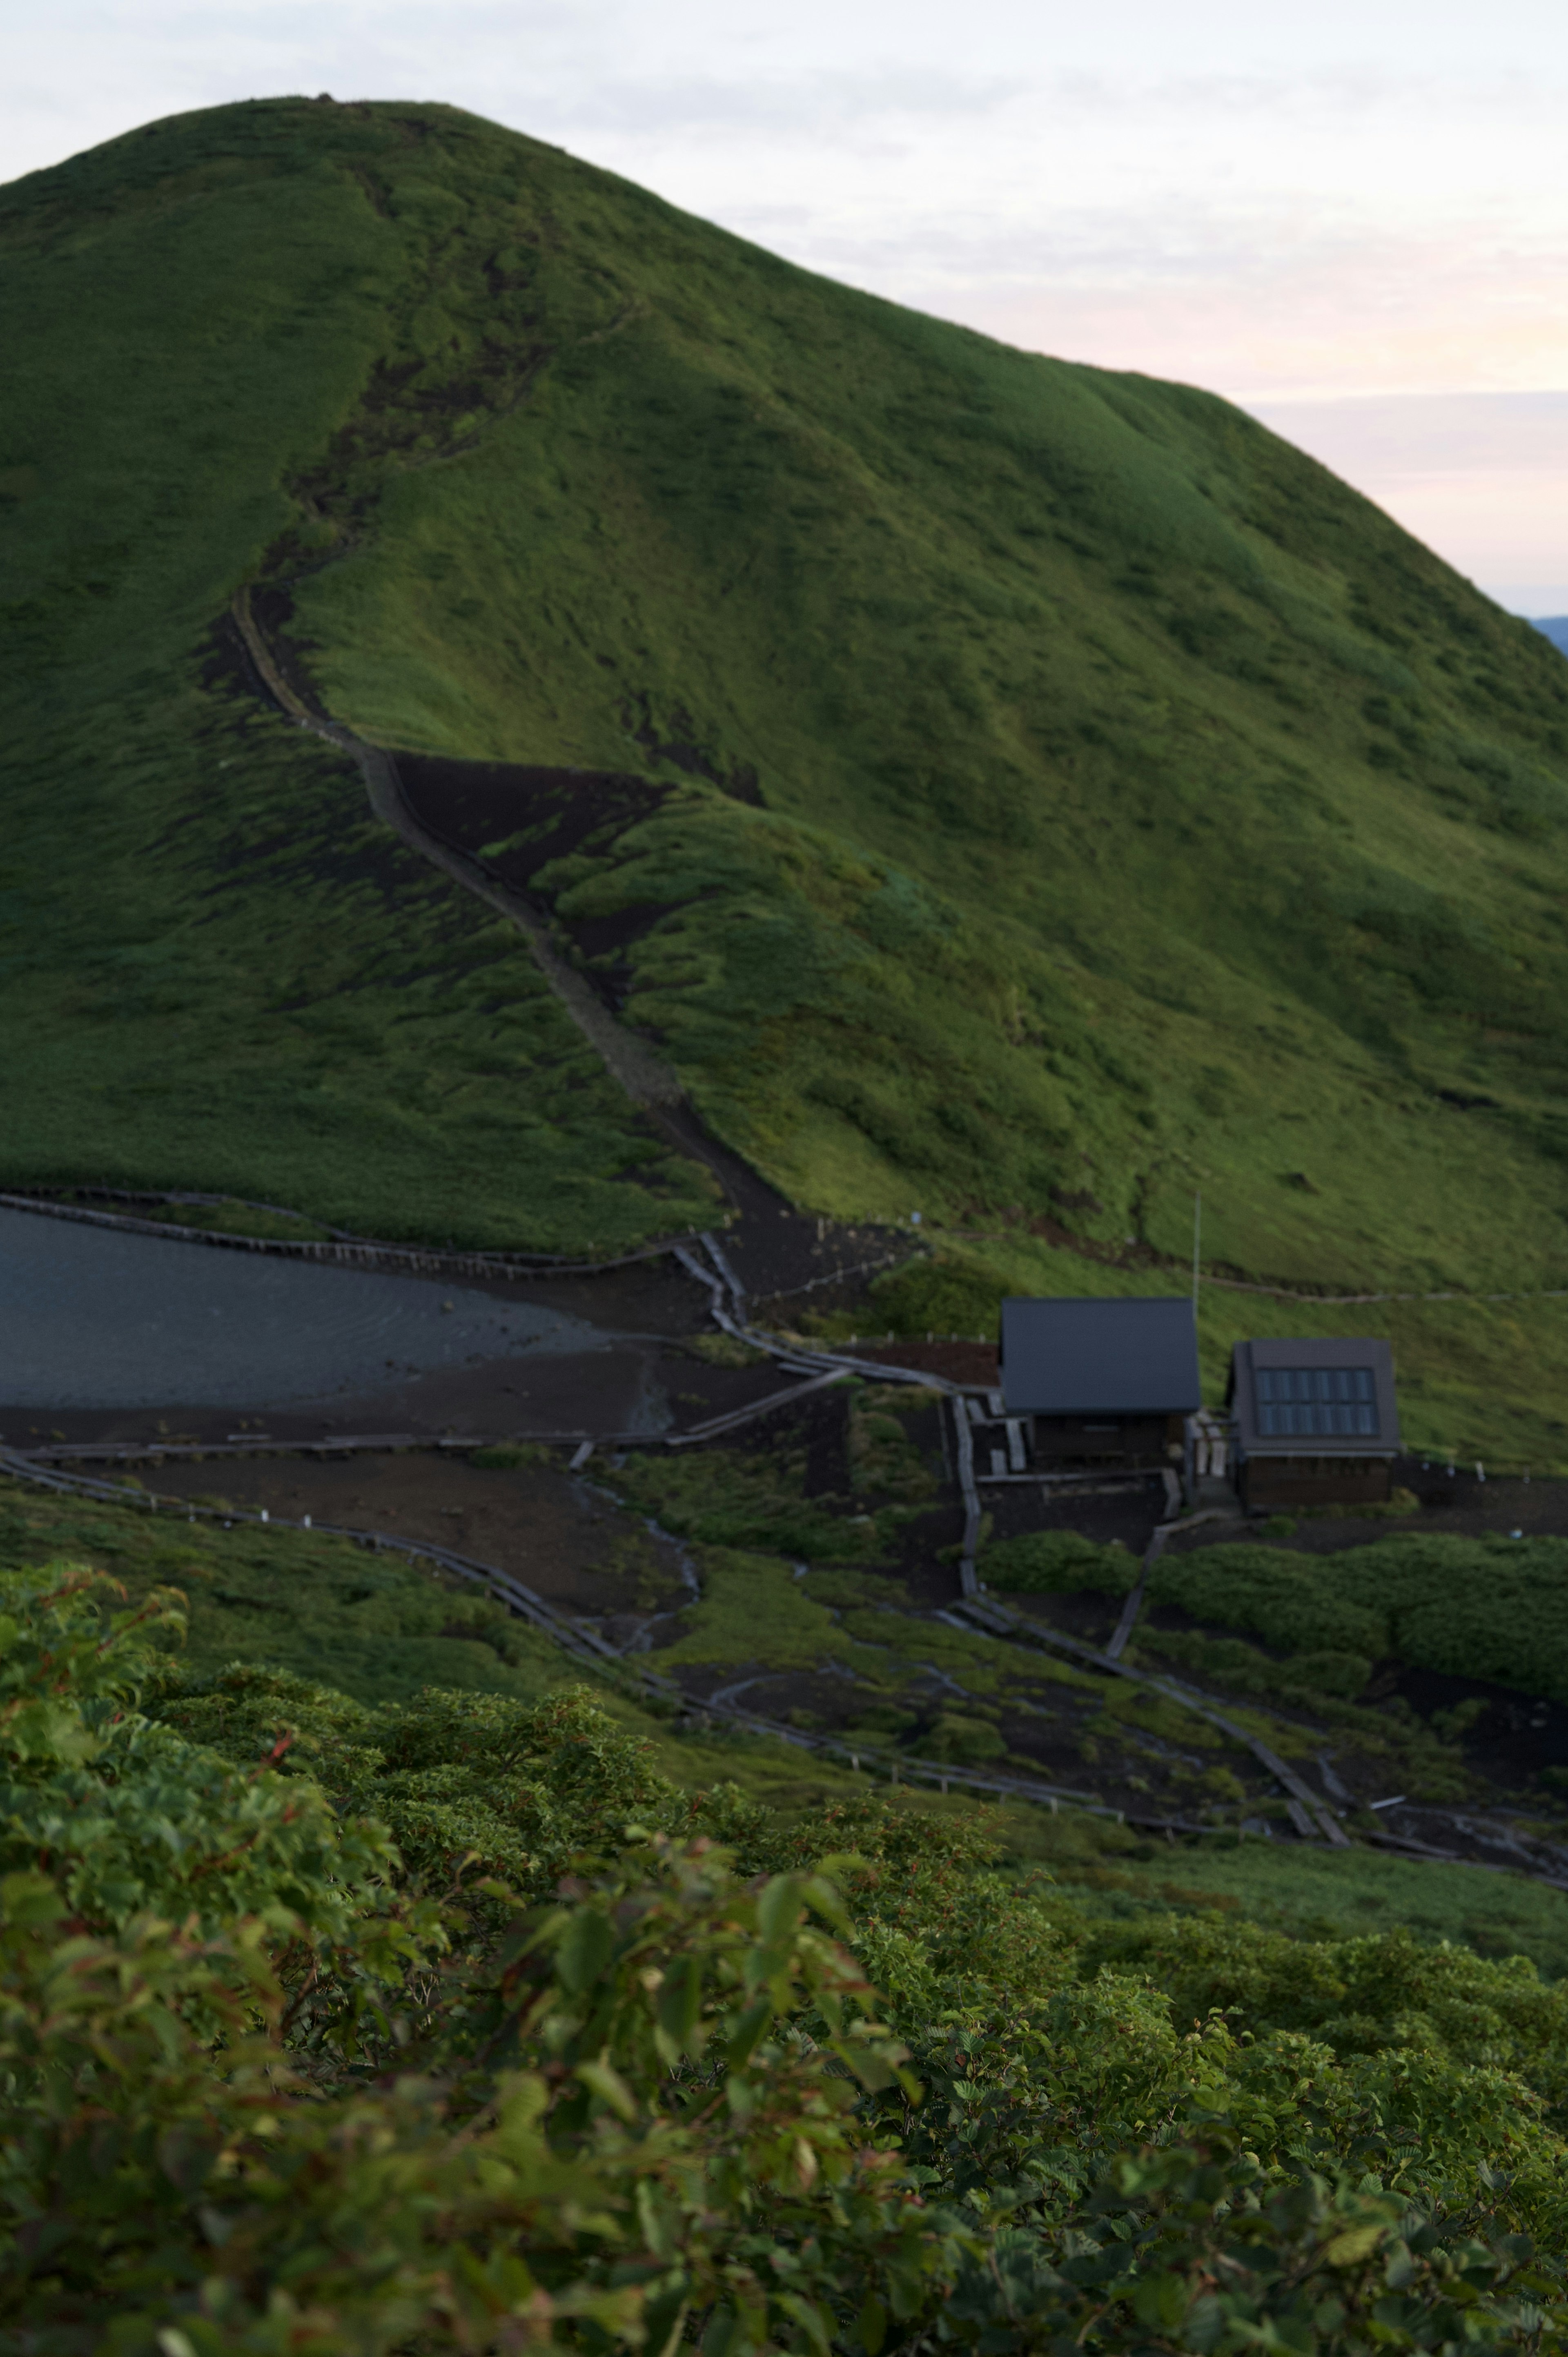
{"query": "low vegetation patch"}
pixel 293 1600
pixel 884 1461
pixel 749 1498
pixel 1491 1607
pixel 722 1350
pixel 1054 1563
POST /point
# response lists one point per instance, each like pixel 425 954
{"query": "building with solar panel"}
pixel 1316 1423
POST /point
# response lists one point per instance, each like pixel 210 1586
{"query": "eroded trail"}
pixel 641 1071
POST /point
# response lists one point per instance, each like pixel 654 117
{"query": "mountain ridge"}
pixel 1132 808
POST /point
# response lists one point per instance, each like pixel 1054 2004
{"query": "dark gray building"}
pixel 1316 1422
pixel 1104 1383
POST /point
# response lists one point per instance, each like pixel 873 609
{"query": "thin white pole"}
pixel 1197 1240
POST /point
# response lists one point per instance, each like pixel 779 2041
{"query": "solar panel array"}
pixel 1317 1402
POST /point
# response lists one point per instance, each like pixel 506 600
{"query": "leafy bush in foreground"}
pixel 373 2110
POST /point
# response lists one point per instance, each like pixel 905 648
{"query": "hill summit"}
pixel 1017 788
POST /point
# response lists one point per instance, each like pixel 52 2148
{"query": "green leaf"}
pixel 747 2031
pixel 1352 2245
pixel 607 2083
pixel 808 2314
pixel 720 2332
pixel 681 2004
pixel 585 1949
pixel 29 1901
pixel 780 1908
pixel 1161 2301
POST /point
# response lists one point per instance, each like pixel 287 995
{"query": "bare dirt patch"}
pixel 558 1531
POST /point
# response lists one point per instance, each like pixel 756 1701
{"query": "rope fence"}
pixel 361 1253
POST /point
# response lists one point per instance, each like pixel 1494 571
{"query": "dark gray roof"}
pixel 1064 1357
pixel 1349 1384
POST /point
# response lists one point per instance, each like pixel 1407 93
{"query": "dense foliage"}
pixel 1482 1608
pixel 559 2068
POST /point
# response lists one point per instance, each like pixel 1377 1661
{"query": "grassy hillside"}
pixel 1074 795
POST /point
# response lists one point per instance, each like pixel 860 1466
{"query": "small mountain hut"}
pixel 1316 1422
pixel 1103 1384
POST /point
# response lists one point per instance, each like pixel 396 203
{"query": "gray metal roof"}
pixel 1098 1357
pixel 1340 1386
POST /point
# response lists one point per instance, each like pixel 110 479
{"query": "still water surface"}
pixel 92 1318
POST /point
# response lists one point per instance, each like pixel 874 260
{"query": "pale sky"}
pixel 1351 216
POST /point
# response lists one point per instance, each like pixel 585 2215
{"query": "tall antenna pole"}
pixel 1197 1240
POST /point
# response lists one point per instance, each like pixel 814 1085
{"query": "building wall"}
pixel 1316 1480
pixel 1137 1442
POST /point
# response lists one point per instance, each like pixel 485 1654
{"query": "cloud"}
pixel 1483 478
pixel 804 106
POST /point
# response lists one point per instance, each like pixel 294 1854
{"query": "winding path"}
pixel 641 1071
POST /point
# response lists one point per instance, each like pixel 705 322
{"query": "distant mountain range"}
pixel 1555 627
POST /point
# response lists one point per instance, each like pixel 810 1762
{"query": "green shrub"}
pixel 1382 1992
pixel 945 1293
pixel 1054 1563
pixel 666 2107
pixel 1344 1675
pixel 467 1784
pixel 1292 1601
pixel 1484 1607
pixel 970 1741
pixel 127 1816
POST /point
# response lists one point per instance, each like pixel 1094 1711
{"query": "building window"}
pixel 1309 1403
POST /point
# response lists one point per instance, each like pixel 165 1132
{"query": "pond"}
pixel 93 1317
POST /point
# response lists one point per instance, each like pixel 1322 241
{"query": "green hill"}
pixel 1071 795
